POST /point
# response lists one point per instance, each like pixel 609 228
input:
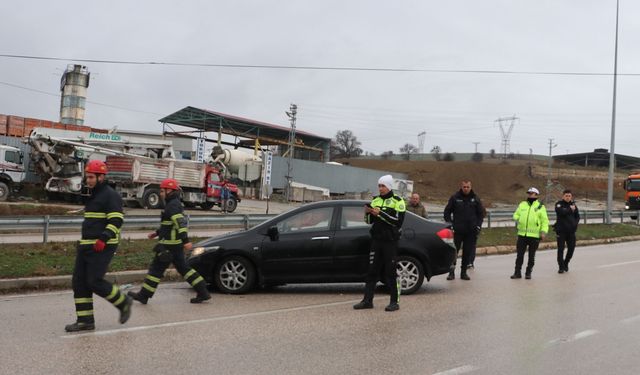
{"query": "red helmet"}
pixel 96 166
pixel 169 183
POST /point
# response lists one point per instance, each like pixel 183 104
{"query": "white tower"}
pixel 73 87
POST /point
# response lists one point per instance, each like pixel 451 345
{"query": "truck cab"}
pixel 12 171
pixel 632 193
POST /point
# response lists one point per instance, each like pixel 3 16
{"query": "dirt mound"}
pixel 31 209
pixel 494 183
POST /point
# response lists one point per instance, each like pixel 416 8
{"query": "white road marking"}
pixel 633 319
pixel 619 264
pixel 216 319
pixel 577 336
pixel 458 370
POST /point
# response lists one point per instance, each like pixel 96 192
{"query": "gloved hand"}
pixel 152 235
pixel 188 246
pixel 99 246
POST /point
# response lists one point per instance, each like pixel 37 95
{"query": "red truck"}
pixel 632 193
pixel 137 179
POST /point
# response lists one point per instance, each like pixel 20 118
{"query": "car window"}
pixel 12 157
pixel 352 217
pixel 309 220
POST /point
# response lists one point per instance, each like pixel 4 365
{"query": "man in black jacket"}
pixel 103 219
pixel 468 214
pixel 566 225
pixel 173 241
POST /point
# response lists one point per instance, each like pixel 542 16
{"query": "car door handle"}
pixel 319 238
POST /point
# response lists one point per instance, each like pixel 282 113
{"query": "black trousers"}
pixel 382 262
pixel 522 245
pixel 570 239
pixel 165 255
pixel 88 278
pixel 468 244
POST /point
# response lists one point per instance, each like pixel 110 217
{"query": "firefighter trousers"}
pixel 382 266
pixel 165 255
pixel 88 278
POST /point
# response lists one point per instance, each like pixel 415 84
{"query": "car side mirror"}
pixel 273 233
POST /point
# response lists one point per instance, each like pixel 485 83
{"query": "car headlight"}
pixel 197 251
pixel 626 207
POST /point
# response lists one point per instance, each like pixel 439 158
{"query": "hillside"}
pixel 497 184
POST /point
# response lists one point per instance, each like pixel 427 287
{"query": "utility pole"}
pixel 548 192
pixel 293 110
pixel 612 153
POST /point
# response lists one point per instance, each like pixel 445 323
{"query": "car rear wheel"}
pixel 234 275
pixel 410 274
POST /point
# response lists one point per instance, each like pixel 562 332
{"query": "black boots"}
pixel 125 310
pixel 80 326
pixel 463 274
pixel 516 275
pixel 364 304
pixel 452 275
pixel 142 296
pixel 566 266
pixel 203 293
pixel 393 306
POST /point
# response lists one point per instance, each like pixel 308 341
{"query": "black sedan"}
pixel 323 242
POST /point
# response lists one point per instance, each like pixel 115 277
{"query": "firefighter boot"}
pixel 463 273
pixel 125 309
pixel 80 326
pixel 203 293
pixel 142 296
pixel 452 275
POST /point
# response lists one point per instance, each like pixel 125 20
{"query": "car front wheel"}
pixel 234 275
pixel 410 274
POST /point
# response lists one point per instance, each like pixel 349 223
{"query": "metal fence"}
pixel 48 223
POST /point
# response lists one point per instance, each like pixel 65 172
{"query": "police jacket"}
pixel 103 216
pixel 531 218
pixel 467 210
pixel 567 220
pixel 173 224
pixel 386 226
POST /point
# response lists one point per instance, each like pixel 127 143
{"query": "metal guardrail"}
pixel 46 223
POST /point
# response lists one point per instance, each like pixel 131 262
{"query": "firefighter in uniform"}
pixel 386 213
pixel 100 237
pixel 173 241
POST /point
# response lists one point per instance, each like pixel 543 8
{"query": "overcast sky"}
pixel 385 109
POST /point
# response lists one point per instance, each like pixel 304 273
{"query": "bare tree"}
pixel 436 150
pixel 407 150
pixel 345 145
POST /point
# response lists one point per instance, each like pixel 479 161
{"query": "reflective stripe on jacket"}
pixel 386 226
pixel 173 225
pixel 103 216
pixel 531 219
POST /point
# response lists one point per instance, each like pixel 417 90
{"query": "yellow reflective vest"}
pixel 531 219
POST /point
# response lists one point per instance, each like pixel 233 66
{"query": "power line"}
pixel 311 67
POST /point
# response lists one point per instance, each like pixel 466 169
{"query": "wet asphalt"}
pixel 584 322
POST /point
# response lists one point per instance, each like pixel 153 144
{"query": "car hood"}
pixel 221 239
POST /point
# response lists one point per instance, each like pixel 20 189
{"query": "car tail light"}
pixel 446 235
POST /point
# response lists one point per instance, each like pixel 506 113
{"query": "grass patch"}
pixel 32 210
pixel 57 258
pixel 508 236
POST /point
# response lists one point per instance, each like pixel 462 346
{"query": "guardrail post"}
pixel 621 217
pixel 488 219
pixel 585 214
pixel 45 233
pixel 604 217
pixel 245 220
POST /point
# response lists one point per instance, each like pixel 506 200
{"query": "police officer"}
pixel 173 241
pixel 100 237
pixel 533 225
pixel 468 215
pixel 386 213
pixel 566 225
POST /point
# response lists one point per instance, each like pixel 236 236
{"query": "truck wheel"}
pixel 4 192
pixel 232 204
pixel 151 198
pixel 207 205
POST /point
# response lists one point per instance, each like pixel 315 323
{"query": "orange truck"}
pixel 632 193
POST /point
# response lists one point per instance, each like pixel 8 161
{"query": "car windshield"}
pixel 633 185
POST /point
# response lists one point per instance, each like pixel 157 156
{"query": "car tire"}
pixel 234 275
pixel 232 204
pixel 151 198
pixel 4 192
pixel 410 274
